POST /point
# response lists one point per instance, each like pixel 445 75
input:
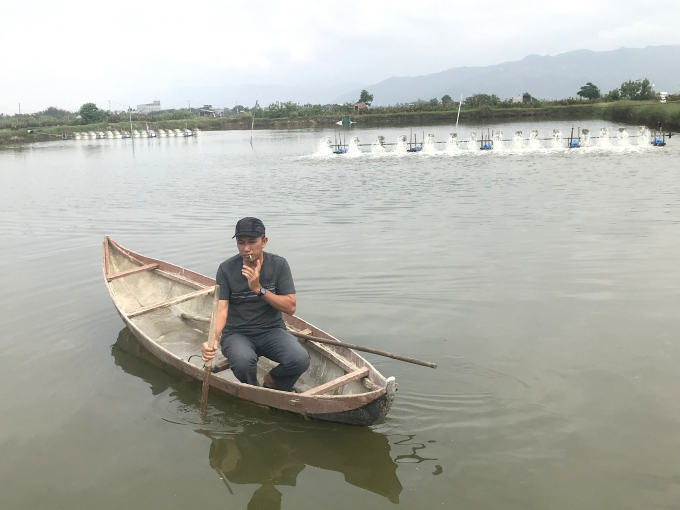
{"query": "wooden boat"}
pixel 160 302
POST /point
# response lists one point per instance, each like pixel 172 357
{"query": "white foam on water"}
pixel 604 138
pixel 518 141
pixel 353 150
pixel 452 143
pixel 377 147
pixel 400 148
pixel 643 137
pixel 323 147
pixel 498 144
pixel 518 146
pixel 556 139
pixel 472 141
pixel 534 142
pixel 430 145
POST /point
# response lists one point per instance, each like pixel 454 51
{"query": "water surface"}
pixel 544 283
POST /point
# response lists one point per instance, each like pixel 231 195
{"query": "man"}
pixel 255 287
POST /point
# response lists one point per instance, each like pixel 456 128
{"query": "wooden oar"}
pixel 208 364
pixel 364 349
pixel 186 316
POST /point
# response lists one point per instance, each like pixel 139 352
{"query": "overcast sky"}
pixel 68 52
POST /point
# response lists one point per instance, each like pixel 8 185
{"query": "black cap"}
pixel 249 227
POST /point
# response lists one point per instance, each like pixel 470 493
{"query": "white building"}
pixel 149 107
pixel 518 99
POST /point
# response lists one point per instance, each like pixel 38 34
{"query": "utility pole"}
pixel 189 106
pixel 109 105
pixel 19 108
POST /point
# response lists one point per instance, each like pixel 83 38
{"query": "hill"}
pixel 545 77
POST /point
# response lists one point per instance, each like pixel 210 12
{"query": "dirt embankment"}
pixel 651 114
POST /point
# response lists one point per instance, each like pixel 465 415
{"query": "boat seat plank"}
pixel 337 383
pixel 121 274
pixel 171 302
pixel 219 367
pixel 181 279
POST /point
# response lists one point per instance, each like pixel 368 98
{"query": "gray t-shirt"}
pixel 249 314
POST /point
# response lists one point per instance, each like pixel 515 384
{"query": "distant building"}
pixel 149 107
pixel 359 106
pixel 518 99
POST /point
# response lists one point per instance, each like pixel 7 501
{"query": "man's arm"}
pixel 208 353
pixel 285 303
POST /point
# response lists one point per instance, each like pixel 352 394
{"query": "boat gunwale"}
pixel 295 402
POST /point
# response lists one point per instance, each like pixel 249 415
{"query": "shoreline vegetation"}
pixel 652 114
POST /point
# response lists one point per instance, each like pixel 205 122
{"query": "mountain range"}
pixel 545 77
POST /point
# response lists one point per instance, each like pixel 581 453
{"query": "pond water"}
pixel 544 282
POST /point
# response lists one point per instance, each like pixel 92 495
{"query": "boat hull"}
pixel 361 409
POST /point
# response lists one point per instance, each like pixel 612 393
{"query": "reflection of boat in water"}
pixel 276 457
pixel 267 453
pixel 163 305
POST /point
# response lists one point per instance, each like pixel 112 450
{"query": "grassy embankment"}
pixel 648 113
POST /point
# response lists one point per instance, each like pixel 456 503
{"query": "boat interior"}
pixel 174 312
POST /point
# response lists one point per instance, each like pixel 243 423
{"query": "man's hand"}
pixel 253 276
pixel 208 353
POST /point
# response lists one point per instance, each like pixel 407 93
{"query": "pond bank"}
pixel 651 114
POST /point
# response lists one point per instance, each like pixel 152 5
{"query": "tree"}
pixel 527 98
pixel 434 102
pixel 55 112
pixel 589 91
pixel 91 114
pixel 638 90
pixel 365 97
pixel 612 95
pixel 446 100
pixel 477 100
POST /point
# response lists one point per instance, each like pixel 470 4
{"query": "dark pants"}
pixel 277 345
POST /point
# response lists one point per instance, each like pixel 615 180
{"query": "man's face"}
pixel 250 248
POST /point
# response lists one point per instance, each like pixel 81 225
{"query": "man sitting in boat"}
pixel 255 287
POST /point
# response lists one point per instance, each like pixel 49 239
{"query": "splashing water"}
pixel 622 137
pixel 604 138
pixel 452 143
pixel 534 142
pixel 430 145
pixel 378 146
pixel 556 139
pixel 400 148
pixel 518 140
pixel 585 137
pixel 498 141
pixel 353 149
pixel 643 136
pixel 472 141
pixel 323 147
